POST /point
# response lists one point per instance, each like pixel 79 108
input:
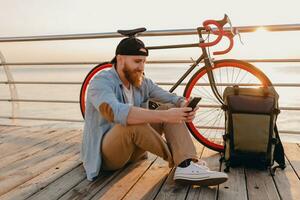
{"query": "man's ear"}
pixel 120 59
pixel 107 112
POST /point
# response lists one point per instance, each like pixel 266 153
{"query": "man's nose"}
pixel 142 66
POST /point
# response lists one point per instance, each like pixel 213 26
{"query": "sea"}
pixel 288 120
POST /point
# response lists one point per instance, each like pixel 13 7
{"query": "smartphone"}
pixel 193 103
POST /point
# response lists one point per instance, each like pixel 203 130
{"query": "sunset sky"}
pixel 45 17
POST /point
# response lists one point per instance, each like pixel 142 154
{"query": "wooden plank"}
pixel 61 185
pixel 27 135
pixel 6 161
pixel 24 173
pixel 292 152
pixel 41 155
pixel 150 183
pixel 10 134
pixel 22 142
pixel 87 189
pixel 287 181
pixel 21 130
pixel 5 129
pixel 195 192
pixel 260 185
pixel 119 186
pixel 173 190
pixel 44 179
pixel 235 186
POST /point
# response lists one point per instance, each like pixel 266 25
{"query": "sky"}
pixel 56 17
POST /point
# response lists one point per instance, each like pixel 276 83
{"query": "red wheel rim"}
pixel 86 83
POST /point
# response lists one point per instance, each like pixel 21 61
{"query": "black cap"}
pixel 130 46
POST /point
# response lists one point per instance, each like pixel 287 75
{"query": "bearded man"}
pixel 120 129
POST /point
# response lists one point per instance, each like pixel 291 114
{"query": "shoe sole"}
pixel 204 182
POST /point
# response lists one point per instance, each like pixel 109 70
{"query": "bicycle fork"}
pixel 209 67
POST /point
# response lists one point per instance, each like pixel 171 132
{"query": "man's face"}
pixel 133 69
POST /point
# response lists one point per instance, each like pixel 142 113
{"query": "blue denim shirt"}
pixel 106 87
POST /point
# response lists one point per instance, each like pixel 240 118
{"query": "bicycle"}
pixel 208 82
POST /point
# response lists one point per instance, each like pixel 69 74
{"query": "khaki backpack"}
pixel 251 137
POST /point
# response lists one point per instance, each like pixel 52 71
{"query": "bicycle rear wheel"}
pixel 208 125
pixel 86 82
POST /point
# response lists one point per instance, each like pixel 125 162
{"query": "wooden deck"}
pixel 43 163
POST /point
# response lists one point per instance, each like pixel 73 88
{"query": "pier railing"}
pixel 178 32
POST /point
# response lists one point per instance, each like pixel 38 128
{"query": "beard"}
pixel 134 77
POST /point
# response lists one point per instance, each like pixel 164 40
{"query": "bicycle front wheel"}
pixel 208 125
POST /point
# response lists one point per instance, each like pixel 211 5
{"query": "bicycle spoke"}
pixel 206 111
pixel 237 75
pixel 213 98
pixel 197 117
pixel 203 123
pixel 249 82
pixel 220 123
pixel 200 119
pixel 214 121
pixel 207 93
pixel 220 78
pixel 232 75
pixel 207 114
pixel 216 127
pixel 206 123
pixel 227 74
pixel 243 78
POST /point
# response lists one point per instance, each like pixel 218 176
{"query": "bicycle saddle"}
pixel 132 32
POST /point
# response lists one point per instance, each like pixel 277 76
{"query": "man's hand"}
pixel 191 115
pixel 138 115
pixel 177 115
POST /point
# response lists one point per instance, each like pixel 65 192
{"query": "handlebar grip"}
pixel 219 32
pixel 230 37
pixel 223 21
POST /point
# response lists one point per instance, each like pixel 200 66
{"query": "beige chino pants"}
pixel 123 144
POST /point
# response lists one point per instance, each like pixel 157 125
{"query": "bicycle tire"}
pixel 85 83
pixel 195 85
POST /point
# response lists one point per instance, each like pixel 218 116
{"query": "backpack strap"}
pixel 278 153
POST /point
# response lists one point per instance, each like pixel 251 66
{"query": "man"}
pixel 119 130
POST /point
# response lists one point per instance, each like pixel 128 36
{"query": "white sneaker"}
pixel 199 175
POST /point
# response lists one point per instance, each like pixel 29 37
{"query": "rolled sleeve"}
pixel 121 113
pixel 101 91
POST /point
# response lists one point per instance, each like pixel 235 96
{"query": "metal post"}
pixel 12 88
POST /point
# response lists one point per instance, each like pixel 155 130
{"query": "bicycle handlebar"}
pixel 220 33
pixel 230 37
pixel 209 29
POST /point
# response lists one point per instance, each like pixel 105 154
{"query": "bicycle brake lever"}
pixel 230 25
pixel 234 31
pixel 238 33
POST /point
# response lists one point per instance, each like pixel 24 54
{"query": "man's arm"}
pixel 102 96
pixel 159 94
pixel 139 115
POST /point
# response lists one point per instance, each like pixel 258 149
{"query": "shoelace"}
pixel 201 164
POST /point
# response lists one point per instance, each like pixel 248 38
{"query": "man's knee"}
pixel 129 130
